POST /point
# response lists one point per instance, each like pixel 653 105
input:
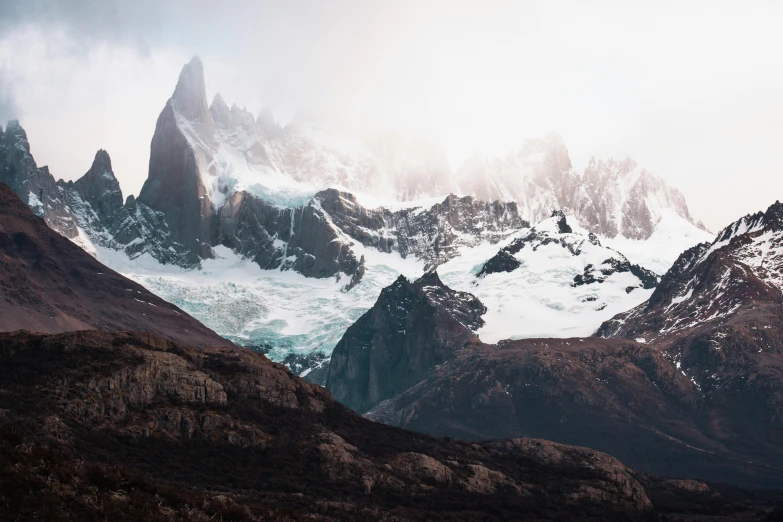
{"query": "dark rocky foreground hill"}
pixel 49 284
pixel 100 426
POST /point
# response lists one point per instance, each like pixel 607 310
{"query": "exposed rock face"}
pixel 412 328
pixel 34 185
pixel 133 427
pixel 609 198
pixel 179 163
pixel 49 284
pixel 432 234
pixel 101 190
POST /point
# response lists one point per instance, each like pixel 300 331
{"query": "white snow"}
pixel 673 235
pixel 84 242
pixel 680 298
pixel 237 299
pixel 537 299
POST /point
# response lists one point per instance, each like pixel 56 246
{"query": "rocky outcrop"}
pixel 411 329
pixel 100 188
pixel 49 284
pixel 35 186
pixel 302 239
pixel 127 427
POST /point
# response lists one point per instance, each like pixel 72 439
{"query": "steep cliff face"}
pixel 412 328
pixel 180 158
pixel 100 188
pixel 301 239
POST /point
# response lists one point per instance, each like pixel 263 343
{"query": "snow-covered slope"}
pixel 554 280
pixel 672 236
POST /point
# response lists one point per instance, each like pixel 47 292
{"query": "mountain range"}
pixel 102 423
pixel 219 176
pixel 224 186
pixel 526 310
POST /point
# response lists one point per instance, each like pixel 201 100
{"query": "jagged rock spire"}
pixel 190 95
pixel 100 187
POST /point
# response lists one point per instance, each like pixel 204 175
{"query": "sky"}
pixel 690 90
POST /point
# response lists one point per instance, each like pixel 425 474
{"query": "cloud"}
pixel 8 108
pixel 688 89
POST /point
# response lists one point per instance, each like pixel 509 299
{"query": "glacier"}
pixel 285 314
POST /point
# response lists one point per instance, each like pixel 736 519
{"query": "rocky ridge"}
pixel 128 426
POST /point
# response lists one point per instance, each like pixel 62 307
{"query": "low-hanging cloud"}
pixel 689 90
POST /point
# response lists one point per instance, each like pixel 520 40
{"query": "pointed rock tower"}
pixel 100 188
pixel 178 184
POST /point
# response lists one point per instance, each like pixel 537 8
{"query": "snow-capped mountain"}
pixel 716 315
pixel 553 280
pixel 384 164
pixel 610 198
pixel 234 225
pixel 712 283
pixel 688 382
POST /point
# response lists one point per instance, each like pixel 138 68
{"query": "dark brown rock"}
pixel 134 427
pixel 49 284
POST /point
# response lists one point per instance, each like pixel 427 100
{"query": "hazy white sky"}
pixel 691 90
